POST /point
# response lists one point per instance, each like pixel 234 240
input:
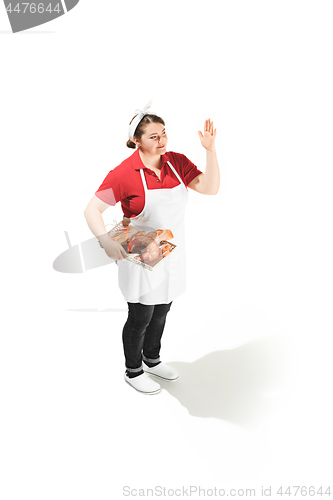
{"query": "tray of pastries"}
pixel 144 248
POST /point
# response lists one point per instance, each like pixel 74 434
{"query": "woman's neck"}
pixel 150 161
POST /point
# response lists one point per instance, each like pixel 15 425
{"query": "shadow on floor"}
pixel 241 386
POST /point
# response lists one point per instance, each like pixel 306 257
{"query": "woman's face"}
pixel 154 139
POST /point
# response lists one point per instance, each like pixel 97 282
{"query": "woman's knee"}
pixel 161 310
pixel 139 315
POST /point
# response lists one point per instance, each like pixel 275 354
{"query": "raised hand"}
pixel 208 137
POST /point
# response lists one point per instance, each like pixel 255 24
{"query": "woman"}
pixel 152 188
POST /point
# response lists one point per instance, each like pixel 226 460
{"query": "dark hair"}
pixel 141 127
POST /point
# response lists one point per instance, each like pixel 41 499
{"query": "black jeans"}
pixel 142 334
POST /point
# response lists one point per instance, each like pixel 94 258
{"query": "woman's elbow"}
pixel 212 191
pixel 87 211
pixel 216 190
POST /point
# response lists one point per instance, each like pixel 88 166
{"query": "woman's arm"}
pixel 93 215
pixel 209 182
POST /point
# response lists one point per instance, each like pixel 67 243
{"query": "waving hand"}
pixel 208 137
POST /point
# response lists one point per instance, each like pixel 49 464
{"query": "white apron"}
pixel 163 209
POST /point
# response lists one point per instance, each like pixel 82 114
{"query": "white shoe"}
pixel 161 370
pixel 143 383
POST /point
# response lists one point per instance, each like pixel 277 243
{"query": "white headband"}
pixel 135 122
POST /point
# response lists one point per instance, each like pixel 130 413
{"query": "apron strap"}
pixel 176 173
pixel 143 179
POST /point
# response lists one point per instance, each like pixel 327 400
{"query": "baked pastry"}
pixel 165 248
pixel 163 234
pixel 139 242
pixel 152 253
pixel 144 243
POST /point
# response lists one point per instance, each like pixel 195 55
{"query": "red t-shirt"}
pixel 124 182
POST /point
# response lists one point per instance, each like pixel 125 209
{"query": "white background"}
pixel 260 259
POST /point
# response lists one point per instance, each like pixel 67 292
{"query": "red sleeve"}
pixel 110 190
pixel 187 169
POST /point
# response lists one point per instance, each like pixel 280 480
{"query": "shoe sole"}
pixel 162 378
pixel 143 392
